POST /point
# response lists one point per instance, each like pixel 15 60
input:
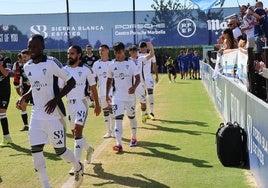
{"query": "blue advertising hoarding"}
pixel 163 28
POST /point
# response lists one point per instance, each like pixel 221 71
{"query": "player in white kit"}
pixel 141 90
pixel 46 122
pixel 147 76
pixel 100 68
pixel 123 72
pixel 78 102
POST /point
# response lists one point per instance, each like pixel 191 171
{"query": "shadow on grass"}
pixel 140 181
pixel 27 151
pixel 1 179
pixel 185 122
pixel 170 129
pixel 167 156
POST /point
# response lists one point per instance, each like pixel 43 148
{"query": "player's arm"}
pixel 3 70
pixel 151 52
pixel 94 92
pixel 51 105
pixel 132 89
pixel 21 103
pixel 108 87
pixel 155 71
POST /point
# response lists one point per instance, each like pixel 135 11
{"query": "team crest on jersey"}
pixel 44 71
pixel 122 76
pixel 115 68
pixel 127 66
pixel 79 74
pixel 104 74
pixel 99 67
pixel 29 74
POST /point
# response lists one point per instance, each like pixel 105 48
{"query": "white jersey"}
pixel 123 74
pixel 146 65
pixel 43 79
pixel 81 74
pixel 100 68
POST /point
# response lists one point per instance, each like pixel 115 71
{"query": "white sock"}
pixel 78 148
pixel 112 122
pixel 118 131
pixel 40 167
pixel 143 112
pixel 69 157
pixel 107 123
pixel 151 102
pixel 133 126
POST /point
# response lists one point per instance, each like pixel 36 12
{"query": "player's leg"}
pixel 130 110
pixel 38 139
pixel 57 134
pixel 140 93
pixel 24 115
pixel 118 111
pixel 4 102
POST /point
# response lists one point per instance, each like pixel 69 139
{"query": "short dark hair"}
pixel 118 46
pixel 104 46
pixel 19 55
pixel 143 44
pixel 39 37
pixel 24 51
pixel 89 46
pixel 78 49
pixel 133 48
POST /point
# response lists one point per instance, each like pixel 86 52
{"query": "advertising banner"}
pixel 257 131
pixel 163 28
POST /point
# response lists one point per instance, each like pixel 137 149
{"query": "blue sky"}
pixel 59 6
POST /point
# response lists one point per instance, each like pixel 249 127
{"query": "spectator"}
pixel 248 28
pixel 260 36
pixel 233 25
pixel 229 41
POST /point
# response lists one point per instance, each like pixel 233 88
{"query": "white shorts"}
pixel 140 93
pixel 149 82
pixel 46 131
pixel 119 107
pixel 77 111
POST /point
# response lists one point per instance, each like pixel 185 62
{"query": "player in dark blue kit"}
pixel 196 65
pixel 183 63
pixel 190 55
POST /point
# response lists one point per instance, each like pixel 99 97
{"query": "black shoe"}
pixel 25 128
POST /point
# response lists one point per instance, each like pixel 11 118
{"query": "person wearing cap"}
pixel 5 88
pixel 141 90
pixel 147 76
pixel 126 77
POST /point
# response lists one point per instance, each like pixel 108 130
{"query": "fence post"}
pixel 251 71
